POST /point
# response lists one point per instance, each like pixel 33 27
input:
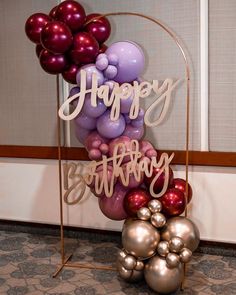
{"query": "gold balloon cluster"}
pixel 156 248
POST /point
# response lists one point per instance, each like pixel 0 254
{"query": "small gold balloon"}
pixel 139 265
pixel 123 272
pixel 121 255
pixel 183 228
pixel 136 276
pixel 163 248
pixel 144 213
pixel 155 206
pixel 185 255
pixel 158 220
pixel 176 244
pixel 161 278
pixel 129 262
pixel 172 260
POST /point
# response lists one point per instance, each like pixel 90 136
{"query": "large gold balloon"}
pixel 183 228
pixel 140 238
pixel 161 278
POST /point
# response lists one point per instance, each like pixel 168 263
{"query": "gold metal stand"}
pixel 65 260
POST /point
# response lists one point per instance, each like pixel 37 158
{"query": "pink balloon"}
pixel 113 207
pixel 147 149
pixel 125 140
pixel 132 181
pixel 96 145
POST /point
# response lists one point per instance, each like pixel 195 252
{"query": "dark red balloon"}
pixel 52 63
pixel 70 74
pixel 102 48
pixel 34 25
pixel 135 199
pixel 180 184
pixel 173 202
pixel 158 186
pixel 38 49
pixel 52 12
pixel 72 14
pixel 85 48
pixel 56 37
pixel 100 28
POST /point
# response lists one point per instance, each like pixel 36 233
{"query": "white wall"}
pixel 29 192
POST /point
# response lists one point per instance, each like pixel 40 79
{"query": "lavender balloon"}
pixel 134 132
pixel 85 121
pixel 81 133
pixel 113 207
pixel 109 128
pixel 91 111
pixel 131 60
pixel 90 69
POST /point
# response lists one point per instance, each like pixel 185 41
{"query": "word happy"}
pixel 104 185
pixel 112 98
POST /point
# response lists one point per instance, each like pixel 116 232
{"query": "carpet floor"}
pixel 28 261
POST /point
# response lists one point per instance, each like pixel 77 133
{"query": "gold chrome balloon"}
pixel 176 244
pixel 172 260
pixel 158 220
pixel 129 275
pixel 183 228
pixel 155 206
pixel 121 255
pixel 161 278
pixel 129 262
pixel 140 239
pixel 139 265
pixel 185 255
pixel 144 213
pixel 163 248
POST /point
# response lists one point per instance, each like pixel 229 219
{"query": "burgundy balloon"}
pixel 135 199
pixel 56 37
pixel 70 74
pixel 173 202
pixel 100 28
pixel 72 14
pixel 52 12
pixel 180 184
pixel 52 63
pixel 158 186
pixel 38 49
pixel 85 48
pixel 102 48
pixel 34 25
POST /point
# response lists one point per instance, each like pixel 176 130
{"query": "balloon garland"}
pixel 156 240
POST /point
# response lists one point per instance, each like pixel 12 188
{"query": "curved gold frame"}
pixel 64 261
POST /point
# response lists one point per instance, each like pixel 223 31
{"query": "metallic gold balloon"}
pixel 161 278
pixel 163 248
pixel 129 262
pixel 140 239
pixel 176 244
pixel 155 206
pixel 183 228
pixel 144 213
pixel 129 275
pixel 185 255
pixel 139 265
pixel 121 255
pixel 158 220
pixel 172 260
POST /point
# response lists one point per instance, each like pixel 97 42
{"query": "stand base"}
pixel 66 263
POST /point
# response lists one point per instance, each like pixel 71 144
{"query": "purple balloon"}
pixel 134 132
pixel 85 121
pixel 113 207
pixel 91 111
pixel 108 128
pixel 81 133
pixel 110 72
pixel 131 60
pixel 90 69
pixel 74 91
pixel 125 104
pixel 139 121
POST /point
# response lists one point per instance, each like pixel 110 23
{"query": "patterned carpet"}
pixel 27 262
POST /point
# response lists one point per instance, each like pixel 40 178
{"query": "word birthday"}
pixel 112 98
pixel 96 172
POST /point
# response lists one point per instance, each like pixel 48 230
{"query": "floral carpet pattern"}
pixel 28 261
